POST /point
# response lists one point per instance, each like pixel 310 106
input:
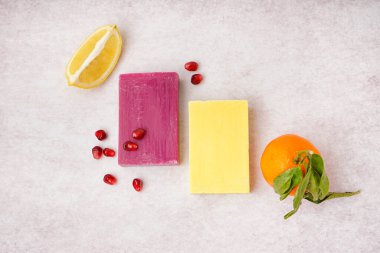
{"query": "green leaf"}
pixel 313 187
pixel 324 186
pixel 296 179
pixel 300 193
pixel 282 182
pixel 309 197
pixel 301 190
pixel 283 196
pixel 290 214
pixel 317 164
pixel 285 182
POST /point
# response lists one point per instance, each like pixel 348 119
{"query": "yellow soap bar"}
pixel 219 146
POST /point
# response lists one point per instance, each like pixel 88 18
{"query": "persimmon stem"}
pixel 333 195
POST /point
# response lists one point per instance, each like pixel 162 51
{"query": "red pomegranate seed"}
pixel 191 66
pixel 138 134
pixel 97 152
pixel 109 179
pixel 137 184
pixel 130 146
pixel 109 152
pixel 101 135
pixel 196 79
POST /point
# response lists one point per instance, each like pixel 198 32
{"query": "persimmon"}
pixel 279 155
pixel 293 166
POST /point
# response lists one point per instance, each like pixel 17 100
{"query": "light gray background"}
pixel 306 67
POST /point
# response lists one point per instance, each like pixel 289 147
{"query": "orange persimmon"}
pixel 279 155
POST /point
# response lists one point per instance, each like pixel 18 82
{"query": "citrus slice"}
pixel 95 59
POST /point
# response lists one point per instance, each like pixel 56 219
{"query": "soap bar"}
pixel 219 146
pixel 149 101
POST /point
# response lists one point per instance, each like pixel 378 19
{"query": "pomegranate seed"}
pixel 138 134
pixel 101 135
pixel 137 184
pixel 109 152
pixel 130 146
pixel 109 179
pixel 196 79
pixel 191 66
pixel 97 152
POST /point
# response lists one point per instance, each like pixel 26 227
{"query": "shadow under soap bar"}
pixel 219 146
pixel 149 101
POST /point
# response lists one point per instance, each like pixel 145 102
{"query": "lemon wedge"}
pixel 95 59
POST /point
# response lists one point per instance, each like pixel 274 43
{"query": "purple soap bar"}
pixel 149 101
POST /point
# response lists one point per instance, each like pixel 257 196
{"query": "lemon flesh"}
pixel 95 59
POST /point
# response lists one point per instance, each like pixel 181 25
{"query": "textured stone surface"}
pixel 306 67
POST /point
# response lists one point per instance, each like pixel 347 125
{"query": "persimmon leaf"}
pixel 285 182
pixel 299 194
pixel 282 183
pixel 314 187
pixel 324 186
pixel 301 190
pixel 314 184
pixel 317 163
